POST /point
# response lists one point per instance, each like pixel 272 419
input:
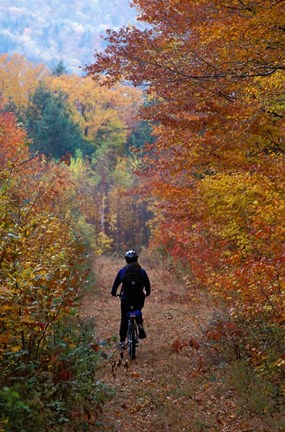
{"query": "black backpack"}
pixel 133 282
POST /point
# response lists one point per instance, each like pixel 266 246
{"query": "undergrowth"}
pixel 251 352
pixel 57 391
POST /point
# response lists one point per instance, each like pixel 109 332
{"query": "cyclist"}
pixel 134 298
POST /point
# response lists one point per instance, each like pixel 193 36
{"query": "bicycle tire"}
pixel 132 342
pixel 132 350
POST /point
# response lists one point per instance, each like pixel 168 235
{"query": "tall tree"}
pixel 107 119
pixel 215 75
pixel 50 126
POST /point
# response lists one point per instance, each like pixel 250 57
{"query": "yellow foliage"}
pixel 19 79
pixel 103 243
pixel 40 256
pixel 95 107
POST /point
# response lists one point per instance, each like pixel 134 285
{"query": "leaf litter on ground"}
pixel 172 385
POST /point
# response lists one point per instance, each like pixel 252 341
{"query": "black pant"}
pixel 125 307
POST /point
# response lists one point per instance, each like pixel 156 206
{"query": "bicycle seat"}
pixel 134 312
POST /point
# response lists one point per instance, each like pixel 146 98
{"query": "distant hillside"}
pixel 54 30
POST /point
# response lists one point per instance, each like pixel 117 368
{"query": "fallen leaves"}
pixel 173 384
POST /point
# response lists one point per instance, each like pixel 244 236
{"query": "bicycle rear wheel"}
pixel 132 349
pixel 132 341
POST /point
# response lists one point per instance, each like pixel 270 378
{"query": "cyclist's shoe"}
pixel 122 345
pixel 142 334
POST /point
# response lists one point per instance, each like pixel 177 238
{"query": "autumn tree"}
pixel 19 79
pixel 107 120
pixel 69 115
pixel 43 271
pixel 96 108
pixel 39 275
pixel 215 78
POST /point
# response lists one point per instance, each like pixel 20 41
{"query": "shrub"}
pixel 253 351
pixel 59 387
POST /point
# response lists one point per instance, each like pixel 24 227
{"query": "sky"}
pixel 50 31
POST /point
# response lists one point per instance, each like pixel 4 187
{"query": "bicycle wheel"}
pixel 132 341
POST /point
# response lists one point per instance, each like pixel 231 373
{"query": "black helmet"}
pixel 131 256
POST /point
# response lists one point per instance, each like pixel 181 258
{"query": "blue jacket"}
pixel 119 280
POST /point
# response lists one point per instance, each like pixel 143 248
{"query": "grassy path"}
pixel 168 387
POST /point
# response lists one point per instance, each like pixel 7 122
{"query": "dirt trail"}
pixel 167 387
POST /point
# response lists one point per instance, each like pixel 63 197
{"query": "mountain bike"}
pixel 132 334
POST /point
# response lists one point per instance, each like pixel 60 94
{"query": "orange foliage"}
pixel 215 75
pixel 12 138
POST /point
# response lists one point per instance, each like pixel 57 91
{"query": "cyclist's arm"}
pixel 116 284
pixel 146 284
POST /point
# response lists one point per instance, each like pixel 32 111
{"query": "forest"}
pixel 173 143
